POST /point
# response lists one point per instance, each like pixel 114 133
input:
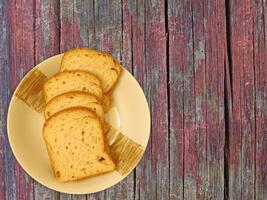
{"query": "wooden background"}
pixel 203 67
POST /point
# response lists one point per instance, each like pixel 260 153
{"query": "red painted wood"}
pixel 21 55
pixel 182 101
pixel 5 153
pixel 215 37
pixel 109 37
pixel 124 189
pixel 153 172
pixel 136 24
pixel 242 142
pixel 46 45
pixel 69 27
pixel 177 43
pixel 70 37
pixel 189 138
pixel 197 99
pixel 260 56
pixel 46 29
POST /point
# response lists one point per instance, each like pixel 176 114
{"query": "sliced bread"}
pixel 101 64
pixel 75 144
pixel 68 81
pixel 73 99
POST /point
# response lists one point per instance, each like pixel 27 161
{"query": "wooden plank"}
pixel 21 29
pixel 124 189
pixel 6 175
pixel 178 39
pixel 46 29
pixel 73 26
pixel 197 148
pixel 215 48
pixel 235 135
pixel 150 69
pixel 242 139
pixel 182 101
pixel 196 72
pixel 46 45
pixel 260 56
pixel 108 37
pixel 70 26
pixel 137 26
pixel 64 196
pixel 108 27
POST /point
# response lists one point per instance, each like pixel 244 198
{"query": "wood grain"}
pixel 7 177
pixel 153 172
pixel 197 99
pixel 21 51
pixel 260 67
pixel 202 65
pixel 108 37
pixel 70 37
pixel 215 38
pixel 177 43
pixel 242 139
pixel 46 45
pixel 134 50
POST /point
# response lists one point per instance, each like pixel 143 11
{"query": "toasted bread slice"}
pixel 68 81
pixel 75 144
pixel 101 64
pixel 73 99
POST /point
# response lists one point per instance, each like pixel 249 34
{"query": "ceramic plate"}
pixel 129 114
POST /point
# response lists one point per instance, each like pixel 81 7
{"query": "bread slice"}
pixel 72 81
pixel 75 144
pixel 73 99
pixel 101 64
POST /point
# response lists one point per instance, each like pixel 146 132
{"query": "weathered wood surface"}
pixel 203 67
pixel 248 132
pixel 197 48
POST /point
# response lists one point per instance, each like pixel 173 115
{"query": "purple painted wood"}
pixel 7 177
pixel 150 69
pixel 207 94
pixel 215 38
pixel 177 43
pixel 260 66
pixel 197 99
pixel 70 37
pixel 247 147
pixel 133 58
pixel 108 37
pixel 21 58
pixel 46 45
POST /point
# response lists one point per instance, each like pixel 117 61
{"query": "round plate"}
pixel 129 114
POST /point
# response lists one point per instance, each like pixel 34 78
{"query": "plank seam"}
pixel 226 142
pixel 228 97
pixel 228 41
pixel 168 86
pixel 59 25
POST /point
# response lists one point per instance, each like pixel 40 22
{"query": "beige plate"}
pixel 130 115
